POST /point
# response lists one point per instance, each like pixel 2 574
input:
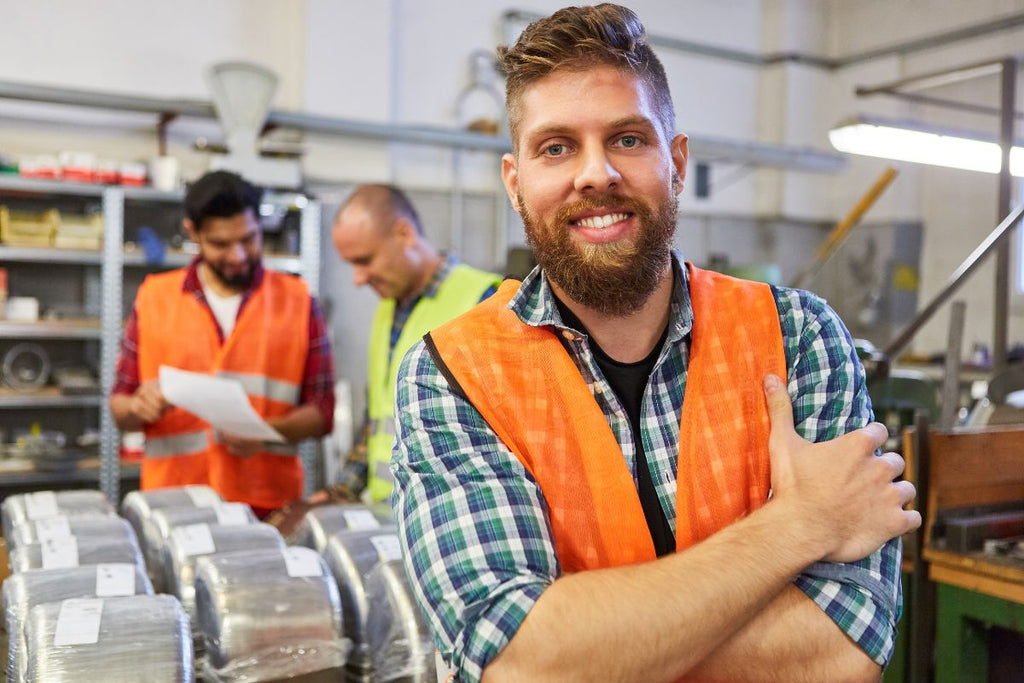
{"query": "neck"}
pixel 215 284
pixel 431 261
pixel 626 338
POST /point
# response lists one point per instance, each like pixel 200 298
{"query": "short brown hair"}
pixel 578 38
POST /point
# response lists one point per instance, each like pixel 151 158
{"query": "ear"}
pixel 190 229
pixel 404 231
pixel 510 177
pixel 680 153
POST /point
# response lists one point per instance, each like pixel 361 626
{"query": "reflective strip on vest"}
pixel 177 444
pixel 265 387
pixel 383 425
pixel 382 472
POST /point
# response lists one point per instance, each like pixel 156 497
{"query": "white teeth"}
pixel 601 221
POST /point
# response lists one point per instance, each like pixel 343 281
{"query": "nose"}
pixel 596 171
pixel 236 253
pixel 360 275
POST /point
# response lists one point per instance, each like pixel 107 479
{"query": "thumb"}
pixel 780 411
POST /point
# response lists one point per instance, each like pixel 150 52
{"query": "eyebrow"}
pixel 562 129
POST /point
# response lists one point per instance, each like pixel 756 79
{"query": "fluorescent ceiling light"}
pixel 892 141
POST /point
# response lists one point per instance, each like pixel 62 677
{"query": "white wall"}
pixel 406 61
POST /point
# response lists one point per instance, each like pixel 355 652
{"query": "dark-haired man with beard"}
pixel 226 315
pixel 565 514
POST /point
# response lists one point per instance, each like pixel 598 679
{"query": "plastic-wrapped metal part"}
pixel 138 506
pixel 22 592
pixel 24 507
pixel 269 615
pixel 163 520
pixel 399 640
pixel 188 543
pixel 109 640
pixel 79 527
pixel 321 522
pixel 351 555
pixel 69 551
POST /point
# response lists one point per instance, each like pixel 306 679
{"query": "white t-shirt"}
pixel 225 309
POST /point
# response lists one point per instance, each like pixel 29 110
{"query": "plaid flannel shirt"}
pixel 473 522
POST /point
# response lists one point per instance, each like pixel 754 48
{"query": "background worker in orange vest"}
pixel 226 315
pixel 564 514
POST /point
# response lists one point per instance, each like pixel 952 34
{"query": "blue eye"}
pixel 555 150
pixel 629 141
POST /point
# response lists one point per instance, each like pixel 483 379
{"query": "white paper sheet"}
pixel 221 402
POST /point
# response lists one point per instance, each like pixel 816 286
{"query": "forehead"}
pixel 236 227
pixel 594 97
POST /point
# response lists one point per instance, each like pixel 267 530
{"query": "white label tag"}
pixel 78 622
pixel 387 547
pixel 231 514
pixel 41 504
pixel 114 580
pixel 52 527
pixel 203 496
pixel 59 553
pixel 302 562
pixel 360 519
pixel 195 539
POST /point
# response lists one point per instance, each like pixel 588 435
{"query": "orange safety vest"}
pixel 524 383
pixel 266 352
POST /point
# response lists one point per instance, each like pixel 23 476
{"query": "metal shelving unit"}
pixel 112 262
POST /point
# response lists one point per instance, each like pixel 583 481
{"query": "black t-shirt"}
pixel 629 381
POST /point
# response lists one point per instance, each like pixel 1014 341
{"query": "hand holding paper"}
pixel 221 402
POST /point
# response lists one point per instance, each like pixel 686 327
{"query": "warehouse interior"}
pixel 921 261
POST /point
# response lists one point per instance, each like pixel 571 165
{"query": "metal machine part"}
pixel 139 638
pixel 268 615
pixel 26 366
pixel 320 523
pixel 22 508
pixel 399 640
pixel 351 555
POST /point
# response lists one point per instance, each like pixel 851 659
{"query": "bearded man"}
pixel 225 314
pixel 565 514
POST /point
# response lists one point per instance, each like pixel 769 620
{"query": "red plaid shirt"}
pixel 318 378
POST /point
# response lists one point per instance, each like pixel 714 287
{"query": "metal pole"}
pixel 959 276
pixel 1002 293
pixel 951 381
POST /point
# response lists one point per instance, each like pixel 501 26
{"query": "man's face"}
pixel 378 254
pixel 230 247
pixel 596 185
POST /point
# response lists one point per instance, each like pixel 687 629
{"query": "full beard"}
pixel 615 279
pixel 239 280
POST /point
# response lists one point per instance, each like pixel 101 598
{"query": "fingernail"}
pixel 772 383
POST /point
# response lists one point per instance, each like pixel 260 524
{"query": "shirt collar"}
pixel 534 303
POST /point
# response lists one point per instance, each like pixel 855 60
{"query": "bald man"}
pixel 379 233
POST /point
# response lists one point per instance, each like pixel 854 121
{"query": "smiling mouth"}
pixel 600 222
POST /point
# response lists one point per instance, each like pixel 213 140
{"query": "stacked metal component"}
pixel 70 551
pixel 163 521
pixel 138 508
pixel 269 614
pixel 27 507
pixel 351 555
pixel 187 544
pixel 22 592
pixel 109 640
pixel 79 527
pixel 399 641
pixel 320 523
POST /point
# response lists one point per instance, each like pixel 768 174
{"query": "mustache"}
pixel 601 200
